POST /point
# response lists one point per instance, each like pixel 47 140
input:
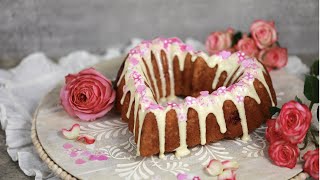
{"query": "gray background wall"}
pixel 60 26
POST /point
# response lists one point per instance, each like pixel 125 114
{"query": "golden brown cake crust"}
pixel 195 77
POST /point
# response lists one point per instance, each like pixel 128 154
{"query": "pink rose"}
pixel 271 134
pixel 218 41
pixel 87 95
pixel 283 153
pixel 248 46
pixel 263 33
pixel 274 58
pixel 293 121
pixel 311 166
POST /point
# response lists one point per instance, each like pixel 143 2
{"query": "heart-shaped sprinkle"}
pixel 102 158
pixel 67 146
pixel 86 153
pixel 73 154
pixel 225 54
pixel 80 161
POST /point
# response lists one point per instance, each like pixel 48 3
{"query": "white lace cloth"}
pixel 22 87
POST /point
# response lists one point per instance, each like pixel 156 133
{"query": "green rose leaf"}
pixel 273 110
pixel 314 70
pixel 311 88
pixel 236 37
pixel 298 99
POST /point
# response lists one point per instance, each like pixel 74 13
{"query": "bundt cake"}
pixel 226 96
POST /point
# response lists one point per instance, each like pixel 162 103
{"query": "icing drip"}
pixel 237 66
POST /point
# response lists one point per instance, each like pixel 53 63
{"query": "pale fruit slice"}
pixel 214 168
pixel 71 133
pixel 86 138
pixel 227 175
pixel 232 165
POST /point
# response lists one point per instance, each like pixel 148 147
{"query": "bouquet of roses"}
pixel 293 127
pixel 260 43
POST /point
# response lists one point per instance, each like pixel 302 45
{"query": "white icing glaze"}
pixel 236 64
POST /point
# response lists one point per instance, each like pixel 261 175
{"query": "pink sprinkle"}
pixel 175 40
pixel 67 146
pixel 172 104
pixel 73 154
pixel 182 117
pixel 225 54
pixel 249 76
pixel 141 88
pixel 98 157
pixel 133 61
pixel 102 158
pixel 221 90
pixel 154 106
pixel 93 157
pixel 86 153
pixel 185 47
pixel 204 93
pixel 80 161
pixel 182 176
pixel 240 99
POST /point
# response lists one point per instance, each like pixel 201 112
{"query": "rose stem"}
pixel 311 104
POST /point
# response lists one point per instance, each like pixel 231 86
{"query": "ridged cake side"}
pixel 233 93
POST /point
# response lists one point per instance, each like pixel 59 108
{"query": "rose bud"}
pixel 283 153
pixel 311 166
pixel 274 58
pixel 263 33
pixel 218 41
pixel 87 95
pixel 248 46
pixel 293 121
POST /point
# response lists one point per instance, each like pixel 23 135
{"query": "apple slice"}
pixel 227 175
pixel 214 168
pixel 86 138
pixel 71 133
pixel 232 165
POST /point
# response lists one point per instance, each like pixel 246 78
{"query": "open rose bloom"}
pixel 260 43
pixel 285 133
pixel 87 95
pixel 284 154
pixel 248 46
pixel 264 33
pixel 274 58
pixel 218 41
pixel 311 165
pixel 293 121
